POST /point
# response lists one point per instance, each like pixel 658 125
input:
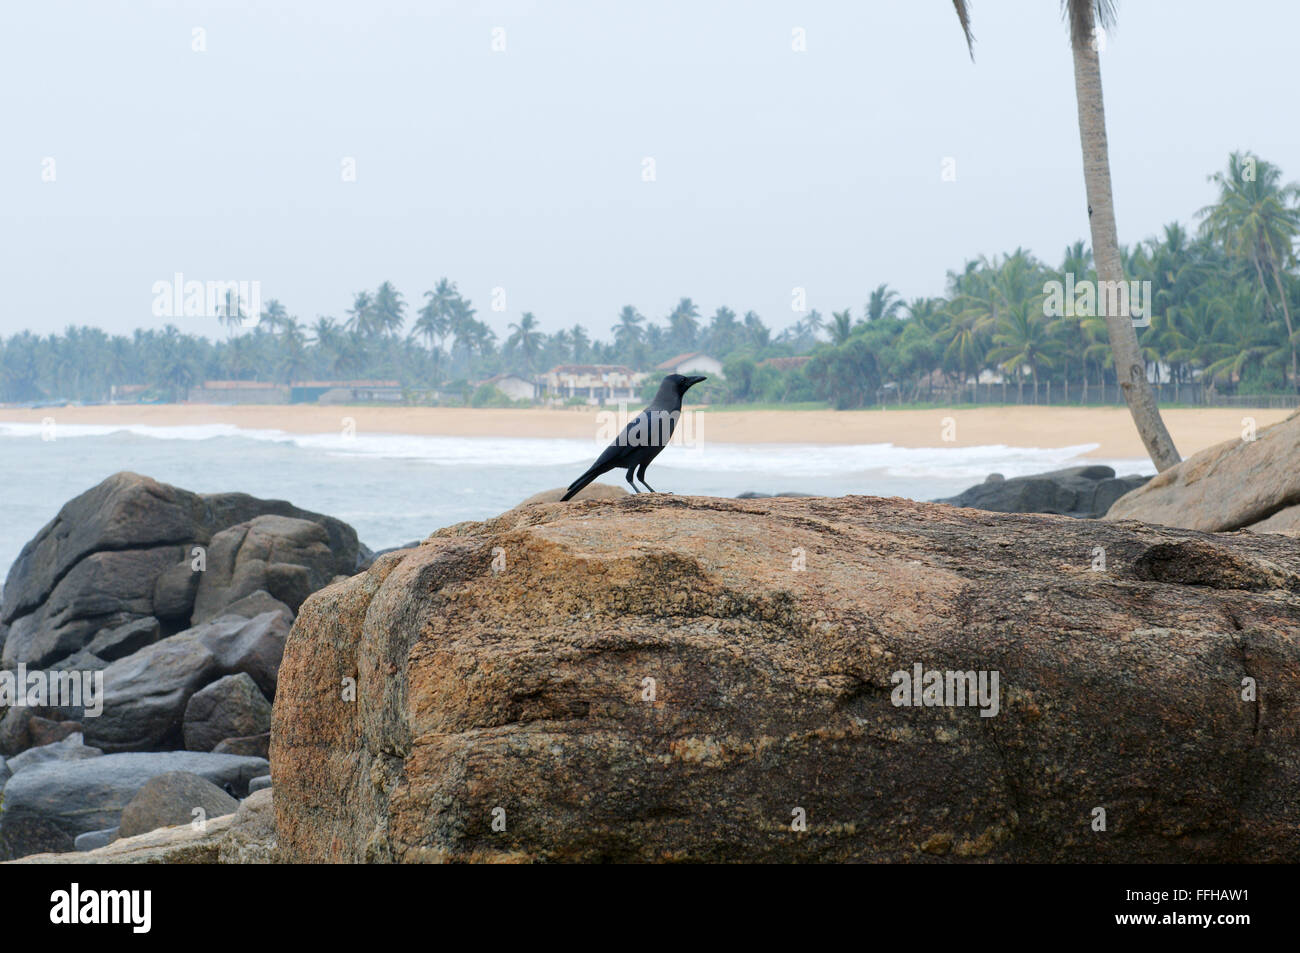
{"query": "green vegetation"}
pixel 1224 304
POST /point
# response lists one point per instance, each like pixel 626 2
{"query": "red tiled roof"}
pixel 672 362
pixel 591 369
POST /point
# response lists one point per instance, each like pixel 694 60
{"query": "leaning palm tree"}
pixel 1130 369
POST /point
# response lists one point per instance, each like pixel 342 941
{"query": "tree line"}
pixel 1222 306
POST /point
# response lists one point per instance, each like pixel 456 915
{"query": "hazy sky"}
pixel 523 169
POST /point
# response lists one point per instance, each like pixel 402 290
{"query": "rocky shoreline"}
pixel 657 677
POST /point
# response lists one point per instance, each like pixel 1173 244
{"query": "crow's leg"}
pixel 640 475
pixel 630 470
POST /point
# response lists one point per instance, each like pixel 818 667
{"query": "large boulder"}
pixel 123 551
pixel 146 693
pixel 284 557
pixel 47 806
pixel 1237 484
pixel 100 593
pixel 231 707
pixel 177 797
pixel 700 679
pixel 1086 492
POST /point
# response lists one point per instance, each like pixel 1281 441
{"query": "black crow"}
pixel 644 436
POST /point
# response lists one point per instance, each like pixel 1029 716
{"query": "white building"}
pixel 513 386
pixel 594 383
pixel 692 362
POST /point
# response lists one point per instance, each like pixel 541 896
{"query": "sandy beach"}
pixel 1111 429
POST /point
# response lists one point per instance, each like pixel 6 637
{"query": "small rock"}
pixel 254 746
pixel 172 798
pixel 113 644
pixel 592 491
pixel 255 603
pixel 251 838
pixel 70 748
pixel 93 839
pixel 15 735
pixel 258 784
pixel 46 731
pixel 231 707
pixel 174 592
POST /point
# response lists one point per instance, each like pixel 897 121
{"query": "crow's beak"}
pixel 692 381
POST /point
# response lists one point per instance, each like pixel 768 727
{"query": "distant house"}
pixel 513 386
pixel 129 393
pixel 239 392
pixel 594 383
pixel 346 392
pixel 692 362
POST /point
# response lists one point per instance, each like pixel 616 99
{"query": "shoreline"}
pixel 1109 428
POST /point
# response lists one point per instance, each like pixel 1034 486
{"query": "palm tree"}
pixel 231 313
pixel 758 333
pixel 389 310
pixel 628 331
pixel 525 339
pixel 1023 340
pixel 1130 369
pixel 293 351
pixel 841 326
pixel 434 319
pixel 361 315
pixel 815 322
pixel 274 315
pixel 722 331
pixel 884 303
pixel 684 323
pixel 1256 221
pixel 629 336
pixel 581 343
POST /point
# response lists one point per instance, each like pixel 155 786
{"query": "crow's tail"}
pixel 582 481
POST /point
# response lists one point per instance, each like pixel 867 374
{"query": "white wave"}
pixel 792 460
pixel 171 432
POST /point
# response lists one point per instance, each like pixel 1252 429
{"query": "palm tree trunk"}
pixel 1129 370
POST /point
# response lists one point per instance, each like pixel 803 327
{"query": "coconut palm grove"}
pixel 1223 303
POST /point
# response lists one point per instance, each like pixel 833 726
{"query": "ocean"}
pixel 396 488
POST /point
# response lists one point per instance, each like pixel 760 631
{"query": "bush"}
pixel 487 395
